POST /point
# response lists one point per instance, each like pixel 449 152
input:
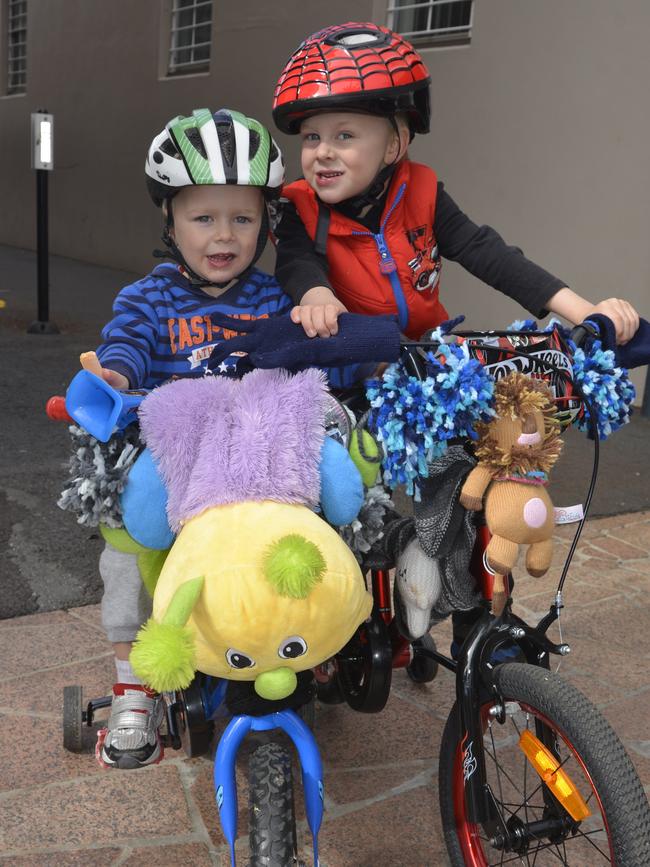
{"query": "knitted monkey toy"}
pixel 515 452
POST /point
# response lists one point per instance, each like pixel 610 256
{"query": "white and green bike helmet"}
pixel 221 148
pixel 224 147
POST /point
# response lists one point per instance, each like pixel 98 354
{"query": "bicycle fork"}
pixel 480 804
pixel 474 686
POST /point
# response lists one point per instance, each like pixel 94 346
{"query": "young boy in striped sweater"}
pixel 214 176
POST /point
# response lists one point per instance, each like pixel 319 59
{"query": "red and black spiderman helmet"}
pixel 353 67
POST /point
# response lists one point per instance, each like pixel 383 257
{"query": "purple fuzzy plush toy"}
pixel 218 440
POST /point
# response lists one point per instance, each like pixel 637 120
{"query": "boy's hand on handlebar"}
pixel 90 362
pixel 622 314
pixel 318 312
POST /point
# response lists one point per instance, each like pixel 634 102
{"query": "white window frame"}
pixel 191 66
pixel 15 53
pixel 432 35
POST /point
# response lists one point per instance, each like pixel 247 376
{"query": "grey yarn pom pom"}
pixel 368 526
pixel 98 473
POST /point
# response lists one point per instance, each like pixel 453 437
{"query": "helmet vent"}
pixel 358 39
pixel 194 137
pixel 168 147
pixel 226 133
pixel 254 144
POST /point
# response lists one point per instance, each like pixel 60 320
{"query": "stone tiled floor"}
pixel 61 809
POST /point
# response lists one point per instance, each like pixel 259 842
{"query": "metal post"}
pixel 42 245
pixel 42 162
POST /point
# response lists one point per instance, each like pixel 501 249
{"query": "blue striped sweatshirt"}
pixel 162 326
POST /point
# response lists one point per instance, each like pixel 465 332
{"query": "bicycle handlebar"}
pixel 280 342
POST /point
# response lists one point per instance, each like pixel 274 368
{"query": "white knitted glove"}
pixel 418 583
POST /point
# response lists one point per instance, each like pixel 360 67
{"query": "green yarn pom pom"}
pixel 294 565
pixel 163 656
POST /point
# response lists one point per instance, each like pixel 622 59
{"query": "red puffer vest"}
pixel 394 271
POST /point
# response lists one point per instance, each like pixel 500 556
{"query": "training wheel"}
pixel 72 719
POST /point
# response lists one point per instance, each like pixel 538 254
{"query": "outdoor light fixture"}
pixel 42 135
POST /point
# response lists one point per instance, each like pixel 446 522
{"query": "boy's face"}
pixel 216 229
pixel 343 151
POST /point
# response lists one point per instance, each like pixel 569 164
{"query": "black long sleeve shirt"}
pixel 479 249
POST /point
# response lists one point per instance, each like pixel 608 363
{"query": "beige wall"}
pixel 541 128
pixel 95 65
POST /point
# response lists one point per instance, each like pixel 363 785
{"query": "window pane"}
pixel 434 17
pixel 16 46
pixel 191 29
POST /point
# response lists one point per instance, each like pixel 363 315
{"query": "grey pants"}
pixel 126 605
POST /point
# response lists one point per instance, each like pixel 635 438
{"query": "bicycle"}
pixel 584 788
pixel 576 785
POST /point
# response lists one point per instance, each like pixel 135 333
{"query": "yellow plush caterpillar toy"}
pixel 257 586
pixel 515 453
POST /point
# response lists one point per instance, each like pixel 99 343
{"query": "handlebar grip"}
pixel 55 409
pixel 583 332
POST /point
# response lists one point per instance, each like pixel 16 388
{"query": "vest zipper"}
pixel 387 264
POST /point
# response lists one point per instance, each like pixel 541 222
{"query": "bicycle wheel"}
pixel 538 830
pixel 272 823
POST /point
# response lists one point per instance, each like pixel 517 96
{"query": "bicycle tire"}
pixel 272 824
pixel 72 719
pixel 594 756
pixel 365 666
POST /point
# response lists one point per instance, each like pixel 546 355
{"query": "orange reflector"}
pixel 553 776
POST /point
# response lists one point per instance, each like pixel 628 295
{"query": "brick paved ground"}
pixel 61 809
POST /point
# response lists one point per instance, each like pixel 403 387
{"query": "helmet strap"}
pixel 371 196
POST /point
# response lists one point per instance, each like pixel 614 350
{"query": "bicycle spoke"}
pixel 504 772
pixel 585 836
pixel 535 858
pixel 525 805
pixel 497 766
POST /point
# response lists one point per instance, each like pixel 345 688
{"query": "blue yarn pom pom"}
pixel 606 386
pixel 414 419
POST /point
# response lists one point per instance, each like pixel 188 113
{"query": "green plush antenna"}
pixel 163 654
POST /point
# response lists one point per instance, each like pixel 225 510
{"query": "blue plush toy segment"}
pixel 144 505
pixel 341 486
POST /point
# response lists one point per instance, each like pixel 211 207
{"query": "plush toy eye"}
pixel 292 647
pixel 237 659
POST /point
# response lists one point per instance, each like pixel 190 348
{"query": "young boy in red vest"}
pixel 365 229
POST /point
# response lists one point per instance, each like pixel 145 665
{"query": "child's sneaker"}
pixel 131 738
